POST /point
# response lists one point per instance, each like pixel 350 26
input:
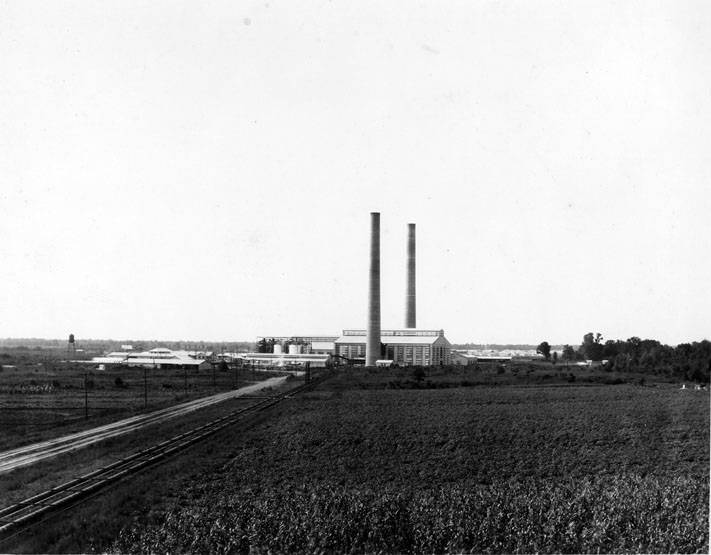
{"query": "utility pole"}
pixel 186 380
pixel 86 396
pixel 145 387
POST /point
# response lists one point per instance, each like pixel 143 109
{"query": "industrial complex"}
pixel 155 358
pixel 372 346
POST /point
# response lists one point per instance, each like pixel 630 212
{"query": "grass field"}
pixel 352 466
pixel 40 401
pixel 383 462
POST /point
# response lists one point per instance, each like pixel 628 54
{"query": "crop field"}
pixel 356 467
pixel 42 401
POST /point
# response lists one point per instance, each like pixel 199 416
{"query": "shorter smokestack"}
pixel 372 339
pixel 410 301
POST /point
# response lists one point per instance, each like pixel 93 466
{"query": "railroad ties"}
pixel 20 515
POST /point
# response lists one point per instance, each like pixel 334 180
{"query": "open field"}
pixel 35 452
pixel 505 469
pixel 567 467
pixel 29 480
pixel 39 401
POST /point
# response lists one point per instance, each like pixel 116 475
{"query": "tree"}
pixel 592 347
pixel 568 353
pixel 544 349
pixel 262 345
pixel 555 357
pixel 611 349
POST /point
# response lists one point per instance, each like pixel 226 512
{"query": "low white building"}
pixel 155 358
pixel 287 360
pixel 462 358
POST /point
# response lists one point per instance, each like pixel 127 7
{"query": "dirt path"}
pixel 29 454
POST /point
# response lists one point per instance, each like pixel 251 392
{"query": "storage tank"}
pixel 294 349
pixel 277 349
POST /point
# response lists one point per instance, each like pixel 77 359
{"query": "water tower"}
pixel 71 347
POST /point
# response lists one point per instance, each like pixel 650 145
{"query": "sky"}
pixel 206 170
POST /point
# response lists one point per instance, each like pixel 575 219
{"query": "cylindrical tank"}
pixel 277 349
pixel 294 349
pixel 372 339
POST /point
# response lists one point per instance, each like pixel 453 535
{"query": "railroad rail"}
pixel 16 517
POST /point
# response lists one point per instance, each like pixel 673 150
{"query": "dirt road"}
pixel 30 454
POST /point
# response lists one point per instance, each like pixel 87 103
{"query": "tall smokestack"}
pixel 372 340
pixel 411 298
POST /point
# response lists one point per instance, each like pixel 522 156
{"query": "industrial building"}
pixel 462 358
pixel 155 358
pixel 409 346
pixel 372 346
pixel 287 360
pixel 293 351
pixel 317 344
pixel 404 347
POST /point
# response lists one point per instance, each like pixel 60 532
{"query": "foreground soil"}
pixel 611 468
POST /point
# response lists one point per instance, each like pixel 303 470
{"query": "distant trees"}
pixel 545 349
pixel 568 353
pixel 592 347
pixel 686 361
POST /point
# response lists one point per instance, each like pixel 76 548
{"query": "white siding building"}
pixel 406 347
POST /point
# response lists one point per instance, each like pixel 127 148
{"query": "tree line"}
pixel 687 361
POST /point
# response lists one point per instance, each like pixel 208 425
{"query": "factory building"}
pixel 155 358
pixel 405 347
pixel 286 360
pixel 463 358
pixel 295 344
pixel 371 346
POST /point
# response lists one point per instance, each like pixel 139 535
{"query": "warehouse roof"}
pixel 163 357
pixel 285 356
pixel 156 356
pixel 394 339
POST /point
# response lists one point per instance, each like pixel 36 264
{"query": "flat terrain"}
pixel 363 464
pixel 35 452
pixel 40 401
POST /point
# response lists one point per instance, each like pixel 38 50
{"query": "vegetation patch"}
pixel 485 469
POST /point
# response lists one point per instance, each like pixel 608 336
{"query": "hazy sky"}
pixel 205 170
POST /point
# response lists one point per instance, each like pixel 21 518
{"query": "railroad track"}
pixel 16 517
pixel 30 454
